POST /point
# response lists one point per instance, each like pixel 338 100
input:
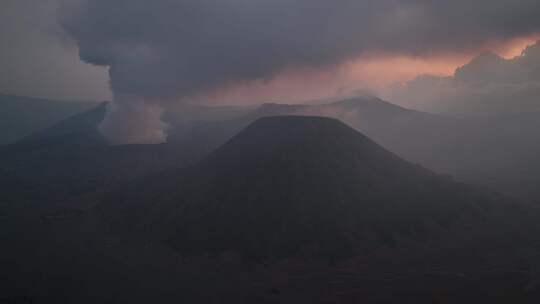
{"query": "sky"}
pixel 488 84
pixel 147 55
pixel 37 59
pixel 375 75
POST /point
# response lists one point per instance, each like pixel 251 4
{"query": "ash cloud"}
pixel 164 51
pixel 488 84
pixel 132 120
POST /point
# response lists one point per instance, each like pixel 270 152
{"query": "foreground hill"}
pixel 291 210
pixel 22 116
pixel 310 186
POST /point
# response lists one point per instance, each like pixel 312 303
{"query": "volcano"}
pixel 310 186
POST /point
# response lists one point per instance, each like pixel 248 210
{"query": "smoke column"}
pixel 164 51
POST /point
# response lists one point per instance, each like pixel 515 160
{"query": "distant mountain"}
pixel 189 112
pixel 22 116
pixel 212 134
pixel 371 115
pixel 79 129
pixel 72 157
pixel 494 151
pixel 308 186
pixel 83 128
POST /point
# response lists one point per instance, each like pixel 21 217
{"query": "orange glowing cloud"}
pixel 514 47
pixel 370 73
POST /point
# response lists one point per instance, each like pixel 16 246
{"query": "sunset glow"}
pixel 515 47
pixel 367 73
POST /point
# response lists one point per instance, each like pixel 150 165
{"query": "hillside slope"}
pixel 22 116
pixel 288 186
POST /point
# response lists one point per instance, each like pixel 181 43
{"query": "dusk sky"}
pixel 235 51
pixel 270 151
pixel 38 60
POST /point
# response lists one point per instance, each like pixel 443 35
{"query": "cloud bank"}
pixel 487 84
pixel 163 51
pixel 36 60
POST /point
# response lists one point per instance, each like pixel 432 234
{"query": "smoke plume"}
pixel 165 51
pixel 132 120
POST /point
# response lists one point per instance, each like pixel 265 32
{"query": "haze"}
pixel 161 53
pixel 269 151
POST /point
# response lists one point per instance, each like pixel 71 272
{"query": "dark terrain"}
pixel 292 184
pixel 290 210
pixel 22 116
pixel 498 152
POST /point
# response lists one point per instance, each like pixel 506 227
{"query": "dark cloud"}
pixel 487 84
pixel 169 49
pixel 37 60
pixel 166 48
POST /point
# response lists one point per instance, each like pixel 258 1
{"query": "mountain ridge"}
pixel 21 116
pixel 296 185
